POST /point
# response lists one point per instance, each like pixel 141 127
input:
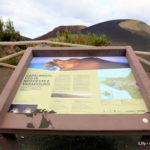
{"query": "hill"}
pixel 51 34
pixel 26 38
pixel 124 32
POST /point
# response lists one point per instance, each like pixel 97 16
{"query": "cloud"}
pixel 133 9
pixel 36 17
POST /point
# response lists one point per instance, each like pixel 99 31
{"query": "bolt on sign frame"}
pixel 76 124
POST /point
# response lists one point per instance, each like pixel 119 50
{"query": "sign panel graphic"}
pixel 79 85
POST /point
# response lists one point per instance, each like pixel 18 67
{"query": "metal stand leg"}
pixel 8 142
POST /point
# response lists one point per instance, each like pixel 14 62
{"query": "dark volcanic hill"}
pixel 26 38
pixel 124 32
pixel 51 34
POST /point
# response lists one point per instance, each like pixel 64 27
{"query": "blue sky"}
pixel 36 17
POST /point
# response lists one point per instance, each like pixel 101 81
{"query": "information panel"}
pixel 79 85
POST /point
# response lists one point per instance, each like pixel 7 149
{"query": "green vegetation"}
pixel 8 32
pixel 79 38
pixel 13 61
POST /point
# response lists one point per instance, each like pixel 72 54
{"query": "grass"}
pixel 12 61
pixel 1 55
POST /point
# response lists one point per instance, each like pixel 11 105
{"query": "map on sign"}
pixel 118 84
pixel 79 85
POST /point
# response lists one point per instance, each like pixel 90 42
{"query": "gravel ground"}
pixel 41 142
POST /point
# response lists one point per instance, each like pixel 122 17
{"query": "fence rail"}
pixel 42 42
pixel 56 43
pixel 142 53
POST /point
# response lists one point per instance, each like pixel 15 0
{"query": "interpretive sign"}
pixel 75 90
pixel 79 85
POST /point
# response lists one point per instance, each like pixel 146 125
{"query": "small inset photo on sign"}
pixel 67 95
pixel 77 63
pixel 22 108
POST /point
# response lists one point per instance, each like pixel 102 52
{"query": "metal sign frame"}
pixel 72 124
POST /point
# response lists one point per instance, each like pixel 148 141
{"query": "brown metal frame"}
pixel 72 124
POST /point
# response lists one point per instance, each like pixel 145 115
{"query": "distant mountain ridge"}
pixel 26 38
pixel 120 32
pixel 124 32
pixel 51 34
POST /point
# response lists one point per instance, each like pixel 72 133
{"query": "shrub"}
pixel 101 40
pixel 79 38
pixel 8 32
